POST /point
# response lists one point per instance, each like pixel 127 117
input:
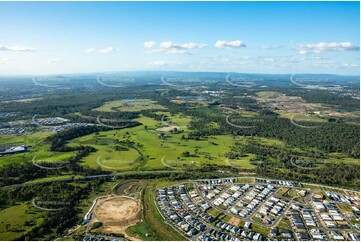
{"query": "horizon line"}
pixel 104 72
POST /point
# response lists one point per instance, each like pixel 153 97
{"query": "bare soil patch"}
pixel 234 221
pixel 118 213
pixel 168 128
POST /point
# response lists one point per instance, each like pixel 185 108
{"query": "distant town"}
pixel 56 124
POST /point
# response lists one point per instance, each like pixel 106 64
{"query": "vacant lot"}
pixel 118 213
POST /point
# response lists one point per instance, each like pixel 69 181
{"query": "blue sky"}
pixel 254 37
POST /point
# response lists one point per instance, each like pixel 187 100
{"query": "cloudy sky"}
pixel 253 37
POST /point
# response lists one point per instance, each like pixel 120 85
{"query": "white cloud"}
pixel 350 65
pixel 314 58
pixel 230 44
pixel 150 44
pixel 90 50
pixel 16 48
pixel 107 50
pixel 321 47
pixel 53 60
pixel 169 47
pixel 158 63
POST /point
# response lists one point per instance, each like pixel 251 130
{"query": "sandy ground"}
pixel 169 128
pixel 234 221
pixel 118 213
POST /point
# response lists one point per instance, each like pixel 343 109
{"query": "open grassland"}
pixel 150 151
pixel 234 112
pixel 245 180
pixel 339 157
pixel 269 141
pixel 109 159
pixel 31 138
pixel 161 153
pixel 268 94
pixel 169 152
pixel 296 116
pixel 54 178
pixel 18 219
pixel 39 149
pixel 129 105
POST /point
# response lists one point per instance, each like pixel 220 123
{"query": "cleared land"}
pixel 118 213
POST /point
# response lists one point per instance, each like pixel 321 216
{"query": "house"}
pixel 219 224
pixel 247 225
pixel 303 236
pixel 229 227
pixel 354 237
pixel 285 233
pixel 337 236
pixel 192 232
pixel 205 206
pixel 316 234
pixel 234 230
pixel 273 232
pixel 267 220
pixel 257 237
pixel 185 227
pixel 235 210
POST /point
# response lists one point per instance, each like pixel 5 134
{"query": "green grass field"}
pixel 338 157
pixel 168 153
pixel 170 149
pixel 129 106
pixel 39 149
pixel 302 117
pixel 18 219
pixel 154 153
pixel 109 159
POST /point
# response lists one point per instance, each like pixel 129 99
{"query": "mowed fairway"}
pixel 107 156
pixel 160 153
pixel 109 159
